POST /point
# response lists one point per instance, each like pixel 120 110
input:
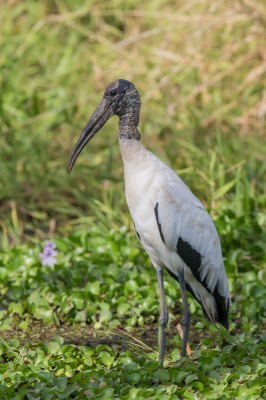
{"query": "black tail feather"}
pixel 222 304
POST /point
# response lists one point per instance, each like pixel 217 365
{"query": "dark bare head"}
pixel 120 98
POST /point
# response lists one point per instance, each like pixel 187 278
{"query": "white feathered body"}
pixel 163 210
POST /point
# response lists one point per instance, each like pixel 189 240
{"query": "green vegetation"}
pixel 200 69
pixel 101 278
pixel 54 371
pixel 106 278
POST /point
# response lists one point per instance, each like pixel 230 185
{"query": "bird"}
pixel 170 222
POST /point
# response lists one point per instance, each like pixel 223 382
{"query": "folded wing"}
pixel 187 228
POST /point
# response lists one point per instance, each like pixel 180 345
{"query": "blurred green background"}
pixel 200 68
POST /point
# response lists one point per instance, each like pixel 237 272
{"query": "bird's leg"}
pixel 186 312
pixel 163 320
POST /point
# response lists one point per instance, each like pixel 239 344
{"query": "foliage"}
pixel 56 371
pixel 104 278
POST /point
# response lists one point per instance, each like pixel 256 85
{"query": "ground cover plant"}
pixel 101 279
pixel 57 371
pixel 86 326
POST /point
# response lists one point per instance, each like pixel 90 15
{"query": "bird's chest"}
pixel 140 187
pixel 141 199
pixel 141 190
pixel 138 191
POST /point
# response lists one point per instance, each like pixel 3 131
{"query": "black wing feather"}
pixel 192 259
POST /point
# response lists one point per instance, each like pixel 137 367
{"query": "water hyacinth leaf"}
pixel 131 321
pixel 104 306
pixel 206 360
pixel 67 306
pixel 171 389
pixel 133 378
pixel 102 347
pixel 61 383
pixel 260 368
pixel 106 359
pixel 16 308
pixel 53 348
pixel 81 316
pixel 197 385
pixel 190 396
pixel 126 360
pixel 178 376
pixel 105 316
pixel 68 348
pixel 39 356
pixel 93 288
pixel 45 315
pixel 59 340
pixel 114 323
pixel 256 383
pixel 249 277
pixel 123 308
pixel 246 369
pixel 191 378
pixel 88 361
pixel 86 351
pixel 44 376
pixel 162 375
pixel 79 303
pixel 259 291
pixel 133 393
pixel 107 394
pixel 206 392
pixel 131 286
pixel 69 372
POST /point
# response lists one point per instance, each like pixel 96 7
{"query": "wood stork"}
pixel 171 223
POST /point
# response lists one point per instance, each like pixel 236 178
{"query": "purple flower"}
pixel 48 254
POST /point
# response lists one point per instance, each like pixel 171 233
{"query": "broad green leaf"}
pixel 162 375
pixel 191 378
pixel 44 376
pixel 105 316
pixel 59 340
pixel 123 308
pixel 61 383
pixel 133 378
pixel 93 288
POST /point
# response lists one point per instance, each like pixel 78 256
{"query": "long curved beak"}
pixel 102 113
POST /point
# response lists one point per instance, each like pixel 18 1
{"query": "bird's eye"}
pixel 113 92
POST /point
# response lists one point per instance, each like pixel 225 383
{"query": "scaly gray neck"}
pixel 128 131
pixel 129 119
